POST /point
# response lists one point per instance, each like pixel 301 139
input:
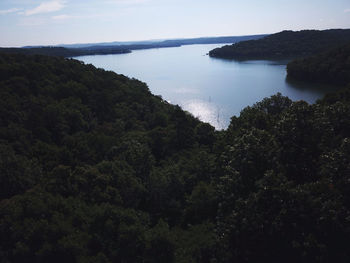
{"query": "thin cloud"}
pixel 126 1
pixel 65 17
pixel 9 11
pixel 46 7
pixel 62 17
pixel 32 21
pixel 347 10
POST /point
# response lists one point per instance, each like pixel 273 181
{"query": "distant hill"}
pixel 175 42
pixel 285 45
pixel 64 52
pixel 329 67
pixel 214 40
pixel 75 50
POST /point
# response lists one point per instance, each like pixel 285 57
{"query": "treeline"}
pixel 94 168
pixel 285 45
pixel 83 51
pixel 331 67
pixel 65 52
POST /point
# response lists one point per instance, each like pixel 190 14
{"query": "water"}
pixel 211 89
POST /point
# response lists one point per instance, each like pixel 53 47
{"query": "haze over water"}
pixel 211 89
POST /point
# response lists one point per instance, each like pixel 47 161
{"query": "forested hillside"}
pixel 329 67
pixel 94 168
pixel 285 45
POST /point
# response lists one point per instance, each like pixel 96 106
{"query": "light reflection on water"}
pixel 211 89
pixel 207 112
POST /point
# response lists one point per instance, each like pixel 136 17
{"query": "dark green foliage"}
pixel 285 45
pixel 85 156
pixel 94 168
pixel 17 172
pixel 280 191
pixel 331 67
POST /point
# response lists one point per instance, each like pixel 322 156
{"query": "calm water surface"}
pixel 211 89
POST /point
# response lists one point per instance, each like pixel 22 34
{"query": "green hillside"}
pixel 331 67
pixel 94 168
pixel 285 45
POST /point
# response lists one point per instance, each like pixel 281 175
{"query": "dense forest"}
pixel 285 45
pixel 94 168
pixel 331 67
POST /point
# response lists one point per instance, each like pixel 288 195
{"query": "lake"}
pixel 211 89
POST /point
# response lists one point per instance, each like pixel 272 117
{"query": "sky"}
pixel 52 22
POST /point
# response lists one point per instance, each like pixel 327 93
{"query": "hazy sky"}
pixel 48 22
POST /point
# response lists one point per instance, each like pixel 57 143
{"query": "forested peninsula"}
pixel 94 168
pixel 285 45
pixel 65 52
pixel 332 67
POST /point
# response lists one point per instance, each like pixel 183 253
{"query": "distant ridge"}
pixel 75 50
pixel 63 52
pixel 181 41
pixel 285 45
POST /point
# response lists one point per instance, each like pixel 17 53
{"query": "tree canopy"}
pixel 94 168
pixel 331 67
pixel 285 45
